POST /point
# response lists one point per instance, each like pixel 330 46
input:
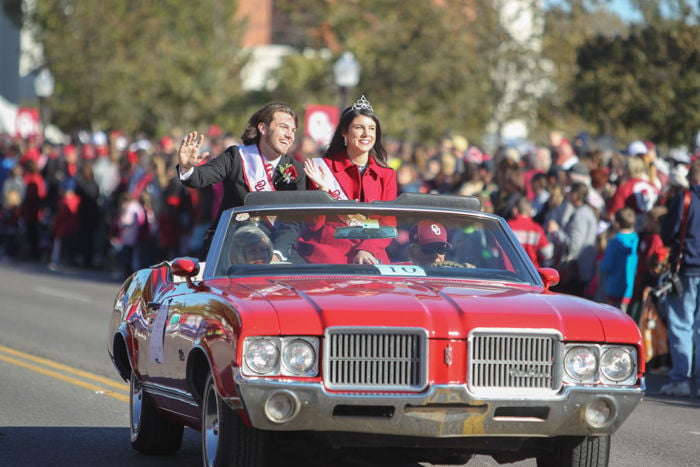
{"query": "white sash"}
pixel 335 189
pixel 337 193
pixel 254 171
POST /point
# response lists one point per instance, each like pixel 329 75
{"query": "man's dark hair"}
pixel 539 177
pixel 251 135
pixel 581 190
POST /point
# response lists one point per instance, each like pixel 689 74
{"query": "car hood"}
pixel 447 309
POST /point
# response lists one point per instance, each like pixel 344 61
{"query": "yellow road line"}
pixel 63 377
pixel 62 367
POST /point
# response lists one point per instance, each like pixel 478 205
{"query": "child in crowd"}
pixel 650 243
pixel 654 314
pixel 620 260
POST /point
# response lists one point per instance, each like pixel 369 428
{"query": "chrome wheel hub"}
pixel 135 401
pixel 210 427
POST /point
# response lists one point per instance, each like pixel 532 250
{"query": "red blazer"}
pixel 378 183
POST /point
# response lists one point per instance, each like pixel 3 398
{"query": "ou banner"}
pixel 27 123
pixel 320 122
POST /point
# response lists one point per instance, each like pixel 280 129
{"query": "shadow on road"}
pixel 86 446
pixel 110 447
pixel 654 383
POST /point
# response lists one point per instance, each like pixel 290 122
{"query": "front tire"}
pixel 226 440
pixel 577 451
pixel 150 432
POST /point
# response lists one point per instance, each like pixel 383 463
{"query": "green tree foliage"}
pixel 422 68
pixel 140 65
pixel 429 67
pixel 647 84
pixel 674 11
pixel 603 89
pixel 567 27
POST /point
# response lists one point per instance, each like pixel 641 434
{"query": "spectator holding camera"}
pixel 650 243
pixel 681 230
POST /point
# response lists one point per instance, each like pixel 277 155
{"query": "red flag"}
pixel 320 122
pixel 27 123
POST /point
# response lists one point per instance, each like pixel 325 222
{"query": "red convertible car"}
pixel 416 329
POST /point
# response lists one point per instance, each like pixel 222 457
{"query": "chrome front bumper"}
pixel 442 411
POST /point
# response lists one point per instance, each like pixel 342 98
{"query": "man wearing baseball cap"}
pixel 427 243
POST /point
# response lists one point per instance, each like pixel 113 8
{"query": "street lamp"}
pixel 43 87
pixel 347 75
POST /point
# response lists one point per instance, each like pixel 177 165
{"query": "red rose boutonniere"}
pixel 289 172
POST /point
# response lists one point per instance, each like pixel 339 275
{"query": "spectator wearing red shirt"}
pixel 530 234
pixel 32 152
pixel 66 223
pixel 635 192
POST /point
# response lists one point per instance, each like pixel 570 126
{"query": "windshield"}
pixel 372 242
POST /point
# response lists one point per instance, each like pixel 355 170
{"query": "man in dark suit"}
pixel 260 164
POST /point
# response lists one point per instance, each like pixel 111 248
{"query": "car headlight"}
pixel 617 363
pixel 298 357
pixel 262 355
pixel 274 356
pixel 581 363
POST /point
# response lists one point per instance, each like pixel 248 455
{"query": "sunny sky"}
pixel 624 9
pixel 621 7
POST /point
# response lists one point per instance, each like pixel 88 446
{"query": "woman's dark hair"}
pixel 338 145
pixel 251 135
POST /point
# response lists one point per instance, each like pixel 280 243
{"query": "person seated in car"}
pixel 250 245
pixel 428 243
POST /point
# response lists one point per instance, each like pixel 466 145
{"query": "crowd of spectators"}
pixel 114 201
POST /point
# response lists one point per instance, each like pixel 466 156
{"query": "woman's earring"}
pixel 345 141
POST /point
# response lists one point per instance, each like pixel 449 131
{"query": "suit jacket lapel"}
pixel 277 175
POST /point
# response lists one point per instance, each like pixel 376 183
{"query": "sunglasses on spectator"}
pixel 434 249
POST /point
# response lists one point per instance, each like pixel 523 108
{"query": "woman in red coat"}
pixel 353 167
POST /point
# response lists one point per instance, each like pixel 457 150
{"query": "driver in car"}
pixel 250 245
pixel 427 243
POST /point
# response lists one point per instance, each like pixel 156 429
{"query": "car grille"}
pixel 375 359
pixel 513 361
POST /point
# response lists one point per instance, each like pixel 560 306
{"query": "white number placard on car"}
pixel 400 270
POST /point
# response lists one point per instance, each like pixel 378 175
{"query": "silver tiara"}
pixel 362 104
